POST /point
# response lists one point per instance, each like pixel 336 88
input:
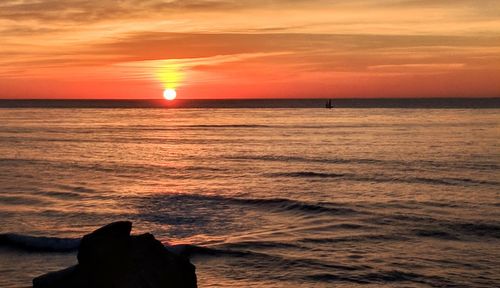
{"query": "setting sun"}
pixel 169 94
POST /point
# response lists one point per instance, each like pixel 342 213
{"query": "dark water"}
pixel 433 103
pixel 260 197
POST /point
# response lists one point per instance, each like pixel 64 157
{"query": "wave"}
pixel 261 245
pixel 433 233
pixel 307 174
pixel 382 178
pixel 179 127
pixel 426 226
pixel 325 271
pixel 273 204
pixel 111 167
pixel 243 251
pixel 39 244
pixel 28 243
pixel 407 164
pixel 476 229
pixel 355 238
pixel 273 260
pixel 250 256
pixel 282 158
pixel 226 126
pixel 373 277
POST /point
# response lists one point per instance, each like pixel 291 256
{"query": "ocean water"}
pixel 260 197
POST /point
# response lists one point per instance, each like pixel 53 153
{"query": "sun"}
pixel 169 94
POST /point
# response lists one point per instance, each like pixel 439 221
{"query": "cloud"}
pixel 92 10
pixel 282 41
pixel 305 52
pixel 97 10
pixel 418 67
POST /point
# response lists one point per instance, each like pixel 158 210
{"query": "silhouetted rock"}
pixel 110 257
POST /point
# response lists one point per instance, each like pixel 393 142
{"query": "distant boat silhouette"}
pixel 328 104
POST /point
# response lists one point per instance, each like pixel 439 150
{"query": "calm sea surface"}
pixel 263 197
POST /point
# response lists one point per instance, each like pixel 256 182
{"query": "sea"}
pixel 260 197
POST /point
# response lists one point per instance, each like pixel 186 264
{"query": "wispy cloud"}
pixel 416 68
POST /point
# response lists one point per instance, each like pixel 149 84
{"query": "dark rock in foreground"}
pixel 111 258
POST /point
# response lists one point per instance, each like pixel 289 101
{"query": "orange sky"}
pixel 249 49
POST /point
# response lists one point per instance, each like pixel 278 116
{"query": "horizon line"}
pixel 236 99
pixel 256 103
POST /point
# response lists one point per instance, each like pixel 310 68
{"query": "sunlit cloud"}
pixel 175 73
pixel 418 68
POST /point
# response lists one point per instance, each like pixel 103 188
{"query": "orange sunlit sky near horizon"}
pixel 249 49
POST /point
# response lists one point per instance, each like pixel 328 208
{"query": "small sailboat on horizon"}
pixel 328 104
